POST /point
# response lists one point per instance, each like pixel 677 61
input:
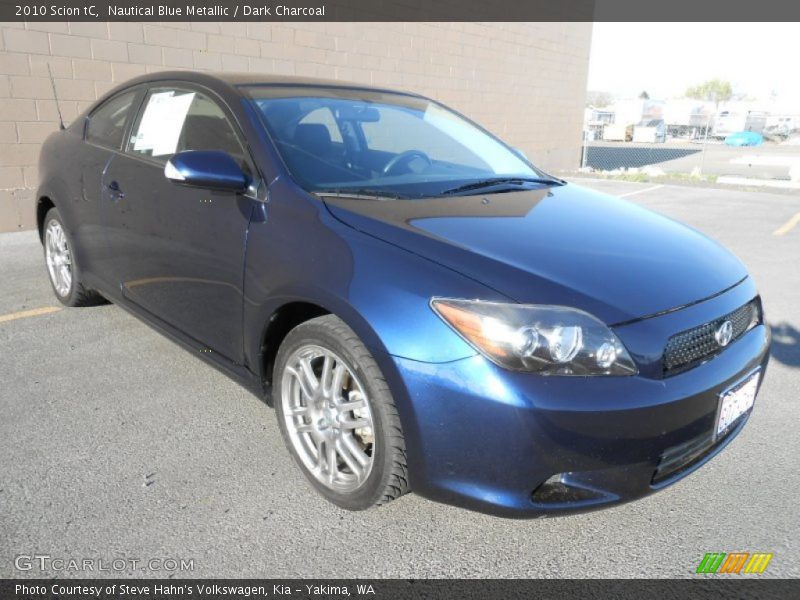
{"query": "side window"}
pixel 107 124
pixel 324 116
pixel 178 120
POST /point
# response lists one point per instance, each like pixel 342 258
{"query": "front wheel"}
pixel 337 415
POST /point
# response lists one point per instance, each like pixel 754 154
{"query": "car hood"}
pixel 562 245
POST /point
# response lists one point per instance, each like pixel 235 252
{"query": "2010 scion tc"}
pixel 424 308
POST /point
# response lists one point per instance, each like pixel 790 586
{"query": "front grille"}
pixel 688 348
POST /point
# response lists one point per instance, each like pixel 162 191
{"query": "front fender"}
pixel 381 291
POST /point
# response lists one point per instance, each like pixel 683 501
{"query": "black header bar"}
pixel 401 10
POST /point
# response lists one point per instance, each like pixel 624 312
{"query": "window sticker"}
pixel 162 122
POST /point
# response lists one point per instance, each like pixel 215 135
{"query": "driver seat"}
pixel 314 138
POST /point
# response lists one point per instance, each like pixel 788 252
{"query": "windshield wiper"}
pixel 487 183
pixel 365 192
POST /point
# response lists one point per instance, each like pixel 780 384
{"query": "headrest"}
pixel 313 138
pixel 202 132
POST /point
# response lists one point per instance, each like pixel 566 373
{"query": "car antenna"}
pixel 58 108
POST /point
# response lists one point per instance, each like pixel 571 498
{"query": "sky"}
pixel 665 58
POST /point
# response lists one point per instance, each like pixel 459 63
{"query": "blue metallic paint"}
pixel 488 437
pixel 214 274
pixel 546 247
pixel 177 251
pixel 208 169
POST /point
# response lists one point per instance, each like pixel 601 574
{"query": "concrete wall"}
pixel 526 82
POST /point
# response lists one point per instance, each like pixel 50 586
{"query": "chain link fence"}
pixel 752 148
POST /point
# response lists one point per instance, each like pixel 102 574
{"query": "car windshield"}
pixel 360 142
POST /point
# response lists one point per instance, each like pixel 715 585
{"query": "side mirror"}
pixel 208 169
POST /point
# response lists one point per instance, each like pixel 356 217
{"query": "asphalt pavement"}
pixel 117 444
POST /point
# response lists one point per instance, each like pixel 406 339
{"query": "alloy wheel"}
pixel 58 258
pixel 328 418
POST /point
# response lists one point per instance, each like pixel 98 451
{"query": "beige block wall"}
pixel 526 82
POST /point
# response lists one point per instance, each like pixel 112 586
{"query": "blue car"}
pixel 744 138
pixel 424 308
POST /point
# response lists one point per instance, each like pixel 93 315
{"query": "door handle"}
pixel 115 191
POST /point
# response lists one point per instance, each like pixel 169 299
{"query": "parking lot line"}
pixel 24 314
pixel 650 189
pixel 788 226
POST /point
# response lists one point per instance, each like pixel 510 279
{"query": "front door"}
pixel 178 251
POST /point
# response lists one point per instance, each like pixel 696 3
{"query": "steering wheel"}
pixel 405 158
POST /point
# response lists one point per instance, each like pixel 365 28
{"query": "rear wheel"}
pixel 337 415
pixel 65 275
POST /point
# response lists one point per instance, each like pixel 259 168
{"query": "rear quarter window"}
pixel 106 125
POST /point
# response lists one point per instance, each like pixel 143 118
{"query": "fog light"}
pixel 557 490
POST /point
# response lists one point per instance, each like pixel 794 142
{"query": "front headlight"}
pixel 549 340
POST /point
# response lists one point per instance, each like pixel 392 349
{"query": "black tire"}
pixel 78 294
pixel 388 477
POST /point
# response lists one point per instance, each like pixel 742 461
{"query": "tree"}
pixel 599 99
pixel 713 90
pixel 644 96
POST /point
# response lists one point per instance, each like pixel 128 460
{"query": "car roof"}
pixel 233 80
pixel 237 79
pixel 227 83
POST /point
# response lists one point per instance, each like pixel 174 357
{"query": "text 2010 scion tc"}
pixel 424 308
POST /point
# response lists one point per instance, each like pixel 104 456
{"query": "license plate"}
pixel 736 401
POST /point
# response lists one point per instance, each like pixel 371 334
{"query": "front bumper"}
pixel 489 439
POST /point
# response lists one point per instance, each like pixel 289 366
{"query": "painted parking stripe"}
pixel 788 226
pixel 650 189
pixel 24 314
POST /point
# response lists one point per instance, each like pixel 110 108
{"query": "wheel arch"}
pixel 288 311
pixel 282 320
pixel 43 205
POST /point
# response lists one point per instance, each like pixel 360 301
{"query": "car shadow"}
pixel 786 344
